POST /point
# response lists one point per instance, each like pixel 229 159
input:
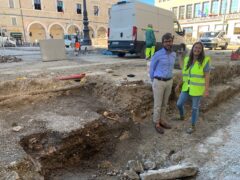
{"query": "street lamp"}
pixel 86 38
pixel 24 33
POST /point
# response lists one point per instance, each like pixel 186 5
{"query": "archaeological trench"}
pixel 91 129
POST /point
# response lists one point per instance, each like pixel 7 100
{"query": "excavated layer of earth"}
pixel 90 129
pixel 9 59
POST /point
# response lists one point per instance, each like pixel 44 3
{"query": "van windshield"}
pixel 210 34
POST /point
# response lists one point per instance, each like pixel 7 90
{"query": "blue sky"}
pixel 148 1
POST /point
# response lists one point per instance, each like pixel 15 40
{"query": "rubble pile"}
pixel 9 59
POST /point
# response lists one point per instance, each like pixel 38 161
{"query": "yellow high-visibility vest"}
pixel 193 78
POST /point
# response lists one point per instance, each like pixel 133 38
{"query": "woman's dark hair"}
pixel 200 58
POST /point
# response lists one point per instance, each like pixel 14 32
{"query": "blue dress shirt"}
pixel 162 64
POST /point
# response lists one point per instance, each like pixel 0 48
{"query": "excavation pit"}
pixel 62 126
pixel 93 127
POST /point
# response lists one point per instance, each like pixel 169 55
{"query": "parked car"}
pixel 11 42
pixel 213 40
pixel 69 40
pixel 7 41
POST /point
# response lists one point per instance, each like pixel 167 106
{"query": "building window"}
pixel 189 11
pixel 181 12
pixel 188 30
pixel 234 6
pixel 220 27
pixel 95 10
pixel 215 7
pixel 174 10
pixel 11 3
pixel 79 9
pixel 197 11
pixel 37 4
pixel 237 28
pixel 223 9
pixel 59 6
pixel 205 9
pixel 14 21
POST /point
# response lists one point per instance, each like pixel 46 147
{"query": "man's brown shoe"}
pixel 159 129
pixel 165 125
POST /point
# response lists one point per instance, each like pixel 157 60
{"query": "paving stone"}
pixel 173 172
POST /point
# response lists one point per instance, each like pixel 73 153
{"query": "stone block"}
pixel 173 172
pixel 53 50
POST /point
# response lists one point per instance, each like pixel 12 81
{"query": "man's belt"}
pixel 162 79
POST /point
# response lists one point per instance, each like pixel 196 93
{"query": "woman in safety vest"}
pixel 195 82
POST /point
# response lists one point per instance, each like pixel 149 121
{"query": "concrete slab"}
pixel 53 50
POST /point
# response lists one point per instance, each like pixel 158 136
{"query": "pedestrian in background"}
pixel 77 46
pixel 150 42
pixel 195 82
pixel 161 73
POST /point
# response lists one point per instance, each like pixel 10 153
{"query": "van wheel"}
pixel 215 47
pixel 225 46
pixel 121 54
pixel 142 53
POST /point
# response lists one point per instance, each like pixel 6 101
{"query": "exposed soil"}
pixel 91 129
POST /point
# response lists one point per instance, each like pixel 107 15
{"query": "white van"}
pixel 6 41
pixel 128 22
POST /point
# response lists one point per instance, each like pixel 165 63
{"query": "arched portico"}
pixel 73 29
pixel 101 32
pixel 56 31
pixel 91 32
pixel 36 31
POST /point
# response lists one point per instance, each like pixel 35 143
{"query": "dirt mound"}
pixel 16 92
pixel 9 59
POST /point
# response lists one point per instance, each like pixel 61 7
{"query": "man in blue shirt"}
pixel 161 73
